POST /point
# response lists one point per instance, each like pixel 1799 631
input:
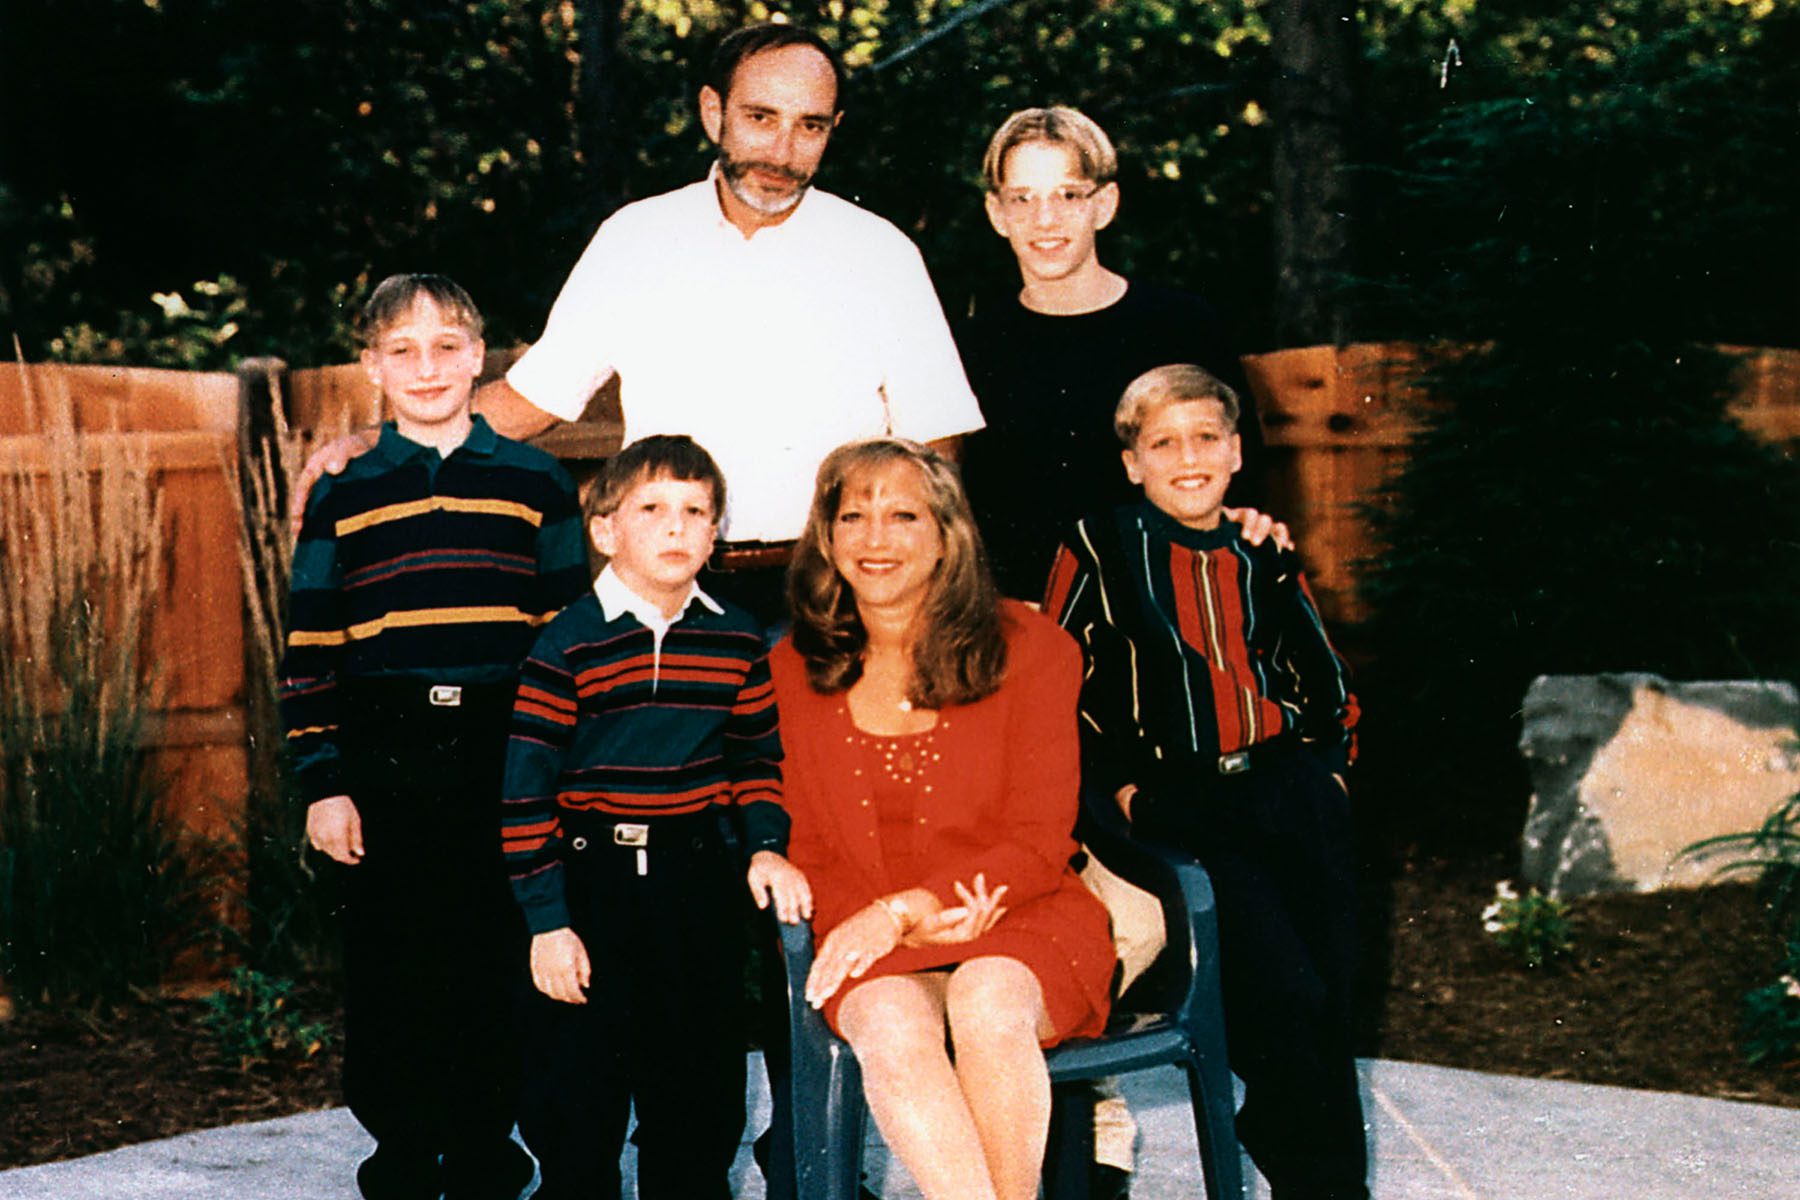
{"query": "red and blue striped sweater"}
pixel 607 724
pixel 1198 644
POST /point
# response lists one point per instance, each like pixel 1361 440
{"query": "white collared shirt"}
pixel 616 599
pixel 770 351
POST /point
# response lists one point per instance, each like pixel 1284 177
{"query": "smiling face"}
pixel 426 364
pixel 885 541
pixel 658 538
pixel 1049 212
pixel 771 129
pixel 1183 458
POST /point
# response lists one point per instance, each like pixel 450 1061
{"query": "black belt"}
pixel 587 831
pixel 1242 762
pixel 750 556
pixel 408 692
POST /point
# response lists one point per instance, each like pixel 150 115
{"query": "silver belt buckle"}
pixel 445 695
pixel 1235 763
pixel 631 835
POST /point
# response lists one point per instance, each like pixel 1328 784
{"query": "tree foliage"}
pixel 287 155
pixel 1580 501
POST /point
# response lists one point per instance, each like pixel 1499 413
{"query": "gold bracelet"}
pixel 892 906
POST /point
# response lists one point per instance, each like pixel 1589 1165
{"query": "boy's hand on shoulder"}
pixel 559 965
pixel 1259 527
pixel 335 827
pixel 774 879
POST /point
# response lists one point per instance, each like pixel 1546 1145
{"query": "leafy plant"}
pixel 251 1020
pixel 1532 927
pixel 1771 1025
pixel 1771 852
pixel 104 890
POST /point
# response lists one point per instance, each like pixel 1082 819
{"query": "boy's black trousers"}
pixel 1277 841
pixel 663 1026
pixel 434 944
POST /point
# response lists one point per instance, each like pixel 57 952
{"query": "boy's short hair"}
pixel 1160 387
pixel 742 44
pixel 660 456
pixel 1061 126
pixel 394 297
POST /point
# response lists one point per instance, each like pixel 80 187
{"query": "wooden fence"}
pixel 1337 420
pixel 183 427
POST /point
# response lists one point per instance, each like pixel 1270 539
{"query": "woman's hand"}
pixel 774 879
pixel 860 941
pixel 979 911
pixel 559 965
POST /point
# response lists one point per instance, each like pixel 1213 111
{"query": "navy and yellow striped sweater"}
pixel 609 724
pixel 1197 643
pixel 414 565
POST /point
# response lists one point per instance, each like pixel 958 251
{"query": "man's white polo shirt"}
pixel 770 351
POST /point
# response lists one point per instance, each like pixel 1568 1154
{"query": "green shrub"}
pixel 1771 1024
pixel 1534 928
pixel 103 891
pixel 251 1020
pixel 1770 1029
pixel 1579 499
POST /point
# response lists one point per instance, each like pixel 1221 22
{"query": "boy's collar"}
pixel 1162 523
pixel 617 599
pixel 396 448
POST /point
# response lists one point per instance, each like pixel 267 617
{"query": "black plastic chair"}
pixel 819 1112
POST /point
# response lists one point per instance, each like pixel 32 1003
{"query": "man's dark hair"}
pixel 660 456
pixel 740 44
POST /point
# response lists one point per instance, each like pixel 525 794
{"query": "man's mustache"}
pixel 739 169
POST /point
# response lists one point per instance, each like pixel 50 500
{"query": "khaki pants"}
pixel 1138 937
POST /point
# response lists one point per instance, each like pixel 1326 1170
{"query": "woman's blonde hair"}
pixel 959 655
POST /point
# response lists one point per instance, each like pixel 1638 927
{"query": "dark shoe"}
pixel 1108 1182
pixel 496 1172
pixel 392 1173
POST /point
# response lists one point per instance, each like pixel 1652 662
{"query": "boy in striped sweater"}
pixel 644 769
pixel 420 577
pixel 1218 719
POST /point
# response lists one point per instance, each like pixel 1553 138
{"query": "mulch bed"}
pixel 1650 999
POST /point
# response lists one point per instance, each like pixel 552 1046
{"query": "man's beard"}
pixel 734 171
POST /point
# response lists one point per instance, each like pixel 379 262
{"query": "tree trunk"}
pixel 1314 49
pixel 597 33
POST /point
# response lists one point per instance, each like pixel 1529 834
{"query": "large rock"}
pixel 1627 770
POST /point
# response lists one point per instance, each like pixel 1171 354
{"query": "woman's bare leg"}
pixel 995 1007
pixel 895 1026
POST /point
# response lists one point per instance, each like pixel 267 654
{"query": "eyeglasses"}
pixel 1018 202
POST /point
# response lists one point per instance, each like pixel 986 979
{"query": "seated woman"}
pixel 931 772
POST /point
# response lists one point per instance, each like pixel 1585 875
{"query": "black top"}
pixel 1048 386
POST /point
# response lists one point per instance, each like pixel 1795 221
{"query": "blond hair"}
pixel 1159 387
pixel 1060 126
pixel 960 653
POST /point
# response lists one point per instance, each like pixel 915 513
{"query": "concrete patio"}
pixel 1435 1134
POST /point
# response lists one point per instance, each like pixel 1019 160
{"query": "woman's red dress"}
pixel 990 789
